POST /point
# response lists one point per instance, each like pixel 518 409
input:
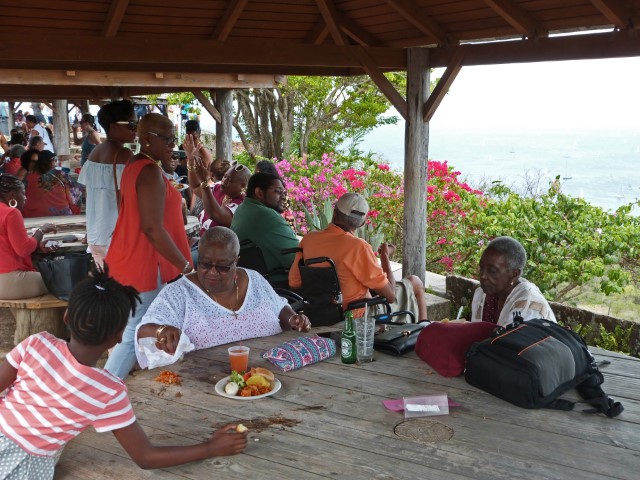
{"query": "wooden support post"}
pixel 12 116
pixel 29 322
pixel 60 127
pixel 224 129
pixel 415 164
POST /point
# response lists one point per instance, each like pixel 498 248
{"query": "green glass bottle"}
pixel 348 340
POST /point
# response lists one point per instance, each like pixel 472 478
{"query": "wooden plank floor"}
pixel 328 421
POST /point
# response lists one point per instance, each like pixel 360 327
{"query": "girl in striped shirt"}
pixel 55 391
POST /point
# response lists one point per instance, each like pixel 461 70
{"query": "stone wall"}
pixel 460 293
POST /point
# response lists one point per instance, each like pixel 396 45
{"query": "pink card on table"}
pixel 397 405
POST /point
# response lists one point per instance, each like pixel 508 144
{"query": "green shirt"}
pixel 266 228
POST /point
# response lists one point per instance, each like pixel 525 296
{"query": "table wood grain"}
pixel 328 421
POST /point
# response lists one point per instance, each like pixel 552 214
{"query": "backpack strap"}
pixel 593 394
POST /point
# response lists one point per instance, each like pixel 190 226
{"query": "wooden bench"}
pixel 36 314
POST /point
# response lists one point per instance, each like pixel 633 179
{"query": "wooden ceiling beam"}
pixel 357 33
pixel 515 16
pixel 422 22
pixel 186 80
pixel 114 18
pixel 208 106
pixel 228 20
pixel 575 47
pixel 318 33
pixel 615 12
pixel 76 52
pixel 385 86
pixel 330 15
pixel 441 89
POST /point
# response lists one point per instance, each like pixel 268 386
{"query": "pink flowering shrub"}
pixel 450 236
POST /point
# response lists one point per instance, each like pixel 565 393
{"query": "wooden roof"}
pixel 313 37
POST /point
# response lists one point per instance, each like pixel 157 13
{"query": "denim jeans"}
pixel 123 356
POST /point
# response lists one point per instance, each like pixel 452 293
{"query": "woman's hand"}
pixel 386 250
pixel 42 246
pixel 191 146
pixel 299 322
pixel 167 338
pixel 201 171
pixel 48 228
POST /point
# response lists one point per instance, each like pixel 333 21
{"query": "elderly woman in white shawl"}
pixel 503 294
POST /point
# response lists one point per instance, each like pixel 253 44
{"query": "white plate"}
pixel 180 187
pixel 275 386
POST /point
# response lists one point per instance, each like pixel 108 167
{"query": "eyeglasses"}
pixel 219 268
pixel 280 191
pixel 168 140
pixel 131 124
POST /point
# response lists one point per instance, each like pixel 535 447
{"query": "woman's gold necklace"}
pixel 157 162
pixel 234 311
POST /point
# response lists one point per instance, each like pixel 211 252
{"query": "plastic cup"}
pixel 365 329
pixel 239 358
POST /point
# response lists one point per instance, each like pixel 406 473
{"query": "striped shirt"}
pixel 54 397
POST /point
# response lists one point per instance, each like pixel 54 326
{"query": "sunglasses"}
pixel 168 140
pixel 219 268
pixel 131 124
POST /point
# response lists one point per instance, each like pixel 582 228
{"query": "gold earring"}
pixel 13 203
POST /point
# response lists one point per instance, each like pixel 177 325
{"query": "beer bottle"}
pixel 348 340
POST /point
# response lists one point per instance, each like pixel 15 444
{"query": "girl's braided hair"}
pixel 99 307
pixel 8 184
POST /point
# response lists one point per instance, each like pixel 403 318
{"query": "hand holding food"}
pixel 227 441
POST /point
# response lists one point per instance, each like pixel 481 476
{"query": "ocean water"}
pixel 601 166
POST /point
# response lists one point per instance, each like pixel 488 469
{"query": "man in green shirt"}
pixel 259 220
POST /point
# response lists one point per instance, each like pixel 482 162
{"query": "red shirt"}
pixel 12 166
pixel 16 246
pixel 131 258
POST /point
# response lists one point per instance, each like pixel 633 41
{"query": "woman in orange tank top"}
pixel 149 245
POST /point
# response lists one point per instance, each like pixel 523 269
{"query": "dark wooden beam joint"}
pixel 519 19
pixel 114 18
pixel 331 18
pixel 615 12
pixel 228 20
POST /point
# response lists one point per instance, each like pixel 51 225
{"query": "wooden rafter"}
pixel 515 16
pixel 441 89
pixel 358 34
pixel 114 18
pixel 318 33
pixel 330 15
pixel 208 106
pixel 615 12
pixel 385 86
pixel 422 22
pixel 228 20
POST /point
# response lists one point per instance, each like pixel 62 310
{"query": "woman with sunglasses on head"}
pixel 102 171
pixel 18 278
pixel 219 303
pixel 149 246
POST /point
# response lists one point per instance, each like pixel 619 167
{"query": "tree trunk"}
pixel 224 104
pixel 60 127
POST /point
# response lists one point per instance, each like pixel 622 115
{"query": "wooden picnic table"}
pixel 328 421
pixel 76 226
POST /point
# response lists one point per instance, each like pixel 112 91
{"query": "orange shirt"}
pixel 131 258
pixel 47 195
pixel 357 266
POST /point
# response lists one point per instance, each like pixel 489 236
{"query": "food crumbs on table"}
pixel 168 378
pixel 178 394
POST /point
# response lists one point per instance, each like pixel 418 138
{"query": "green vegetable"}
pixel 237 378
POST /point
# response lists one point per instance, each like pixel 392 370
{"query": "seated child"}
pixel 55 391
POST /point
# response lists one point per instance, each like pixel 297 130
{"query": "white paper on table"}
pixel 150 356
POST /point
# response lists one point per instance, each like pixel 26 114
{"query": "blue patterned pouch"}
pixel 300 352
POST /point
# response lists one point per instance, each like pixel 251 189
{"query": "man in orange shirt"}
pixel 357 266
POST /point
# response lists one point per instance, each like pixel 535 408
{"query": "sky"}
pixel 585 93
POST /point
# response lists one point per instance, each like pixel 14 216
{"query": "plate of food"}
pixel 256 383
pixel 178 186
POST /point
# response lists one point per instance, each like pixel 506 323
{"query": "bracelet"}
pixel 289 321
pixel 39 230
pixel 159 331
pixel 186 266
pixel 204 184
pixel 191 168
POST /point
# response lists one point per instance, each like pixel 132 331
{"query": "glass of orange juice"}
pixel 239 358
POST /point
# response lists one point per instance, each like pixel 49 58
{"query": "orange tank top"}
pixel 131 258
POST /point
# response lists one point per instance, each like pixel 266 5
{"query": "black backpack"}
pixel 530 364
